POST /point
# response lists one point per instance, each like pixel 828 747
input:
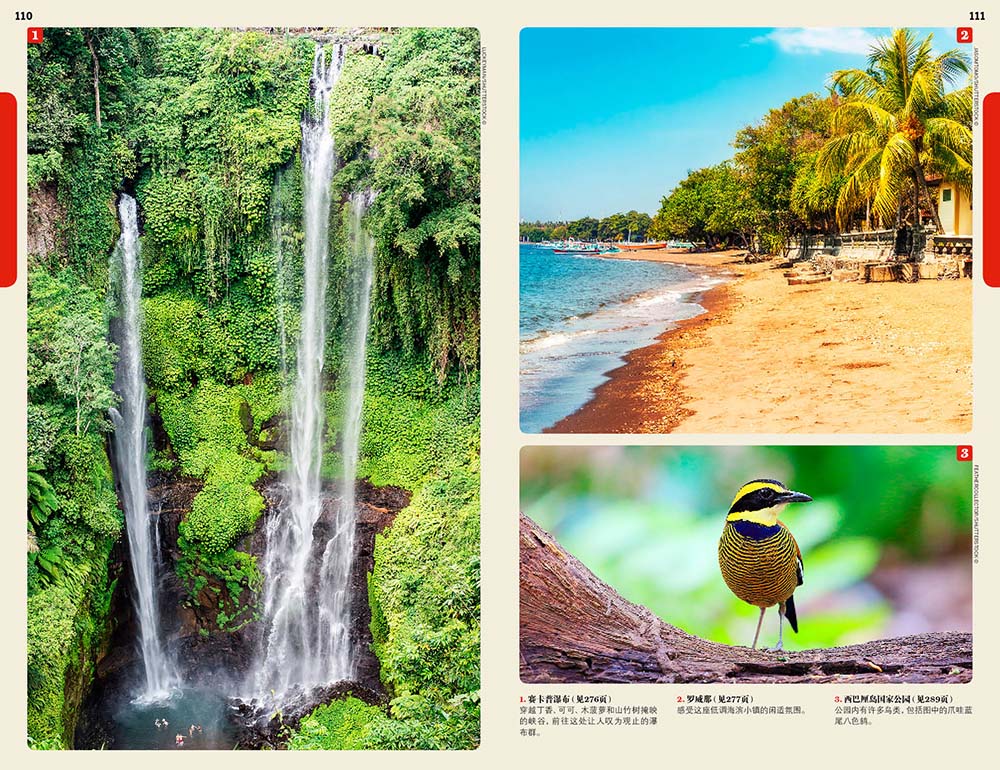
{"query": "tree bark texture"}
pixel 97 77
pixel 576 629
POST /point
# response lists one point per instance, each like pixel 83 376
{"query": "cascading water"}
pixel 290 654
pixel 277 239
pixel 130 456
pixel 338 555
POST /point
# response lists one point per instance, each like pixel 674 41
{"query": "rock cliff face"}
pixel 45 213
pixel 208 657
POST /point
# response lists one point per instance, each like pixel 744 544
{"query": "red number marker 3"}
pixel 963 453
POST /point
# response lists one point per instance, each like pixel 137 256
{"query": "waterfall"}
pixel 130 455
pixel 338 555
pixel 290 654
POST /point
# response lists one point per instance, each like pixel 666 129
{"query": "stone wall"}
pixel 848 254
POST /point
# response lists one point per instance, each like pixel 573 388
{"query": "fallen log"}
pixel 577 629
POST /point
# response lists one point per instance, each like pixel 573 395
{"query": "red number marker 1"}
pixel 36 34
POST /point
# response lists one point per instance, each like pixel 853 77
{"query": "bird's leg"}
pixel 760 620
pixel 781 624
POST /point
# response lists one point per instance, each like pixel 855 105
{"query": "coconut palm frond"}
pixel 925 91
pixel 953 65
pixel 859 187
pixel 946 133
pixel 869 115
pixel 839 155
pixel 897 160
pixel 898 111
pixel 958 106
pixel 854 82
pixel 952 166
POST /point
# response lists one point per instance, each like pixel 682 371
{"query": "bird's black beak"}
pixel 795 497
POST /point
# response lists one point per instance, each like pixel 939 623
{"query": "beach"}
pixel 580 315
pixel 766 357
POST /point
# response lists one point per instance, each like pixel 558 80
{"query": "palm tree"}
pixel 898 121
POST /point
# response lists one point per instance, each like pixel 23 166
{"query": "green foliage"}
pixel 896 121
pixel 769 156
pixel 203 125
pixel 70 361
pixel 711 204
pixel 226 508
pixel 424 597
pixel 209 430
pixel 72 511
pixel 632 225
pixel 416 142
pixel 233 581
pixel 67 622
pixel 432 615
pixel 44 168
pixel 184 342
pixel 343 724
pixel 42 500
pixel 747 201
pixel 424 591
pixel 415 429
pixel 50 634
pixel 205 425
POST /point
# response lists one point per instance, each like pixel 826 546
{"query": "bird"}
pixel 759 558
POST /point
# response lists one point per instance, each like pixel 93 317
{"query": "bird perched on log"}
pixel 760 560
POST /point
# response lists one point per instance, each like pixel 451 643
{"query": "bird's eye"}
pixel 767 493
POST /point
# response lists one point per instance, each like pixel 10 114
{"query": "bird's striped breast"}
pixel 759 562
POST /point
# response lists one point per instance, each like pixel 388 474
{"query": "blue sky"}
pixel 613 119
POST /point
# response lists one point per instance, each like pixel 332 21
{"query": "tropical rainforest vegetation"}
pixel 858 156
pixel 202 127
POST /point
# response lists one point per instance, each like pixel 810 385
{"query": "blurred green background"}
pixel 886 542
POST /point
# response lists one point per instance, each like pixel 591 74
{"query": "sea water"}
pixel 580 316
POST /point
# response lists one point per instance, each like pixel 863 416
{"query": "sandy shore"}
pixel 767 357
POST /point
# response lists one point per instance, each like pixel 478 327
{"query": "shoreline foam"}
pixel 766 357
pixel 573 357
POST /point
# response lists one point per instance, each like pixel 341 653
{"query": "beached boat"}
pixel 641 246
pixel 581 248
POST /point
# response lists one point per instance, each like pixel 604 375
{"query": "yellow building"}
pixel 954 209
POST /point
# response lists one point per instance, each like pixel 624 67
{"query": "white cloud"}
pixel 815 40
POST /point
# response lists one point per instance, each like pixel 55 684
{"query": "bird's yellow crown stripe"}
pixel 753 486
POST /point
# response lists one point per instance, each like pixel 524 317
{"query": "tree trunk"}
pixel 77 387
pixel 97 78
pixel 922 183
pixel 577 629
